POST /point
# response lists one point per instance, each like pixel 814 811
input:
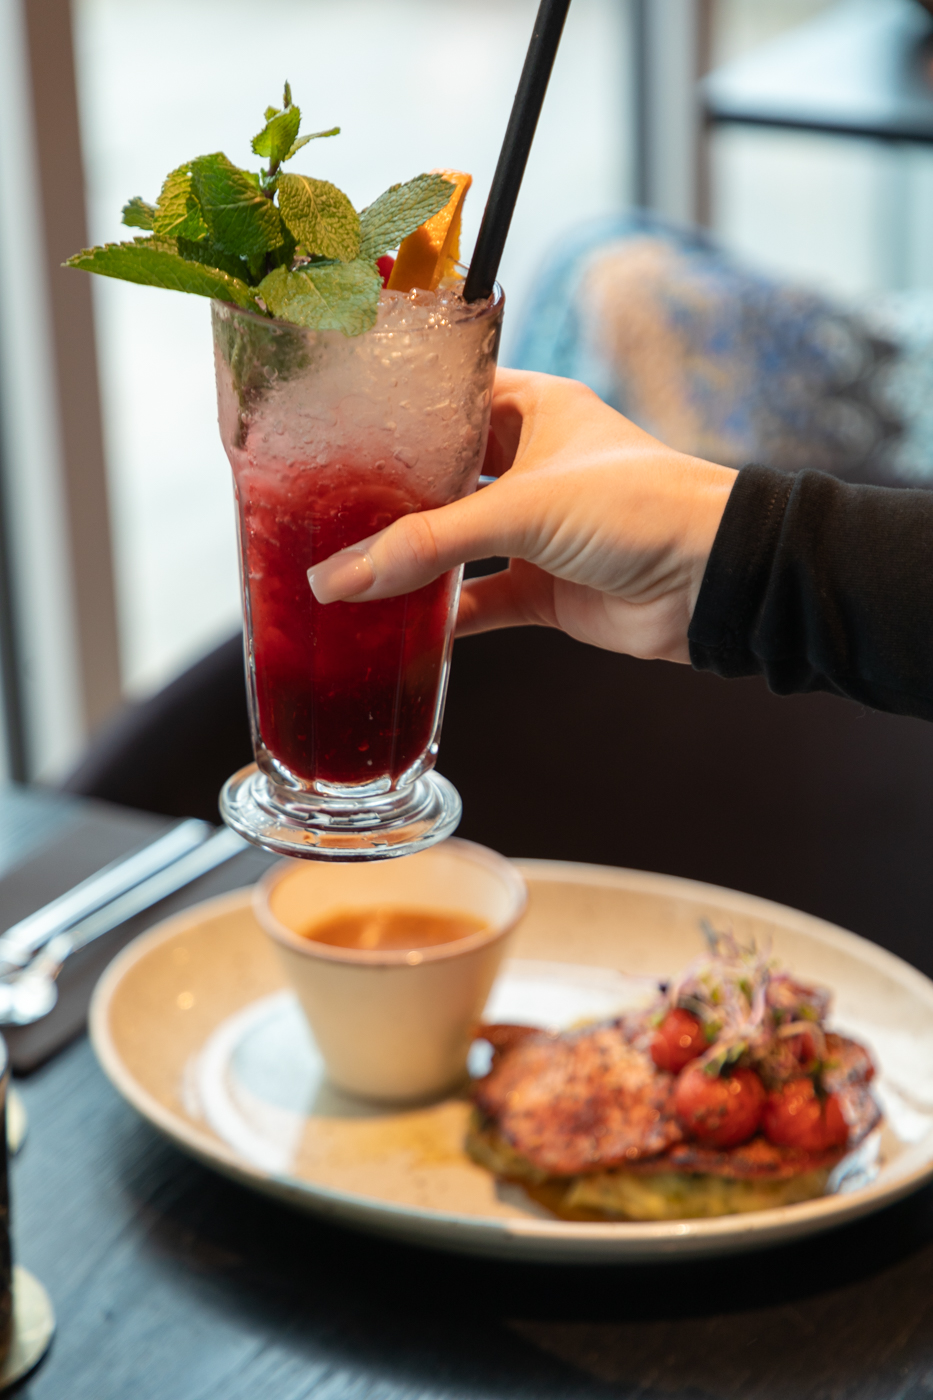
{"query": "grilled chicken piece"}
pixel 579 1102
pixel 503 1036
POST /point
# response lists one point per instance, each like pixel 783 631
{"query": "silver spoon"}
pixel 29 995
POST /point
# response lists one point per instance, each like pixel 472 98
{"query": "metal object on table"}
pixel 27 1320
pixel 17 1121
pixel 30 993
pixel 31 1330
pixel 20 942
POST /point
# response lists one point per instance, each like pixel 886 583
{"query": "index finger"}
pixel 418 548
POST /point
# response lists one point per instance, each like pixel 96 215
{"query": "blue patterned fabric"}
pixel 713 358
pixel 906 319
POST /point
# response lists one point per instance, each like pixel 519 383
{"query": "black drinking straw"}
pixel 519 134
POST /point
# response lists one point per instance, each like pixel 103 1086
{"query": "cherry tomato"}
pixel 795 1116
pixel 385 265
pixel 678 1040
pixel 719 1110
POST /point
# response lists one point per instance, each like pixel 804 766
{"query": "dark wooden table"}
pixel 171 1282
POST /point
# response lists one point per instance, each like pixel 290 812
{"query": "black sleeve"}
pixel 819 585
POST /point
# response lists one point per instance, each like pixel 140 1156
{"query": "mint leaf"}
pixel 292 297
pixel 153 263
pixel 277 137
pixel 312 136
pixel 320 217
pixel 218 231
pixel 351 292
pixel 325 296
pixel 239 217
pixel 398 212
pixel 205 253
pixel 284 254
pixel 138 214
pixel 178 214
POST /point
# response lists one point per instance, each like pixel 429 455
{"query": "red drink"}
pixel 331 438
pixel 347 693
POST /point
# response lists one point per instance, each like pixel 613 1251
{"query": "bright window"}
pixel 414 84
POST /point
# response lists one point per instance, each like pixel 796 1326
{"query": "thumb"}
pixel 414 550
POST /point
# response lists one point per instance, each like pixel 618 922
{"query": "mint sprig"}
pixel 138 214
pixel 398 212
pixel 280 244
pixel 312 136
pixel 178 213
pixel 277 137
pixel 240 218
pixel 153 263
pixel 320 217
pixel 277 140
pixel 335 296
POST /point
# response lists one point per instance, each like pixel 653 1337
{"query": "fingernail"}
pixel 343 575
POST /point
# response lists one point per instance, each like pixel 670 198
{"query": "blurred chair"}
pixel 566 752
pixel 718 360
pixel 173 752
pixel 563 751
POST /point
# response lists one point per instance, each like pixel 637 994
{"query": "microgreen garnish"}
pixel 273 242
pixel 725 1057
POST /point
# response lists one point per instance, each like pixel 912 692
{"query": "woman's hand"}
pixel 608 531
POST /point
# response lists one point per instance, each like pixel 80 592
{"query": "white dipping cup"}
pixel 391 1025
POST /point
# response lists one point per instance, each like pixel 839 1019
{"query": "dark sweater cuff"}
pixel 738 573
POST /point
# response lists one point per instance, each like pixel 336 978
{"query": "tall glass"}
pixel 331 438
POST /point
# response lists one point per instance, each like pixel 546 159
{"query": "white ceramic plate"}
pixel 195 1027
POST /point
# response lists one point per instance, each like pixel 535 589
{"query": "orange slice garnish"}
pixel 430 252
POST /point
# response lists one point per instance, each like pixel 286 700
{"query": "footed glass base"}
pixel 340 828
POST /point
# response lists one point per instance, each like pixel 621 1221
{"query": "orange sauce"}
pixel 393 928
